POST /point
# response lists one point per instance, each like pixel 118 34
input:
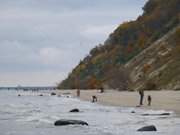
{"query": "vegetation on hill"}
pixel 157 67
pixel 104 66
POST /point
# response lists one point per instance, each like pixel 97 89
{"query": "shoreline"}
pixel 161 100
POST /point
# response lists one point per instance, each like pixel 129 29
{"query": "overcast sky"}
pixel 42 40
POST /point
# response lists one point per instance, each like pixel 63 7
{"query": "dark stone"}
pixel 53 93
pixel 148 128
pixel 69 122
pixel 74 110
pixel 41 95
pixel 161 114
pixel 165 114
pixel 133 112
pixel 19 95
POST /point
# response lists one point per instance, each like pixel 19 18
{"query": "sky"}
pixel 41 41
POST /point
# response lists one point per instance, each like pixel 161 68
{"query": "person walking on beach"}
pixel 141 93
pixel 101 90
pixel 149 100
pixel 94 99
pixel 78 92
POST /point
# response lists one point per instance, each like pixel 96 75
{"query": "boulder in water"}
pixel 165 114
pixel 133 112
pixel 69 122
pixel 161 114
pixel 74 110
pixel 148 128
pixel 53 93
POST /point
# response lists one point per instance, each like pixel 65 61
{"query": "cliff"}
pixel 121 62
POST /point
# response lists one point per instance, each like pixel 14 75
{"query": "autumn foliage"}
pixel 126 42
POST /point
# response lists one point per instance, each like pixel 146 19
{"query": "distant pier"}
pixel 30 88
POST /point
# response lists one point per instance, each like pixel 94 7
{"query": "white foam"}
pixel 34 110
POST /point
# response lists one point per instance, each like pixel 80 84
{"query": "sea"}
pixel 32 114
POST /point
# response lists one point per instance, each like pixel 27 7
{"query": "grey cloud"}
pixel 53 35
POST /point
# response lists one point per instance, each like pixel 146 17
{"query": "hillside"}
pixel 112 65
pixel 157 67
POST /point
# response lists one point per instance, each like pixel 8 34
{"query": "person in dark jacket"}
pixel 78 92
pixel 141 93
pixel 94 99
pixel 149 100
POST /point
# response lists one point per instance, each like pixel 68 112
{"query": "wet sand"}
pixel 161 100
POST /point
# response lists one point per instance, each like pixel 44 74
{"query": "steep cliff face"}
pixel 107 65
pixel 158 66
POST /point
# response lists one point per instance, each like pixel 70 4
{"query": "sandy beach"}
pixel 161 100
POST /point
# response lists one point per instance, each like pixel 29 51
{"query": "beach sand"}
pixel 161 100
